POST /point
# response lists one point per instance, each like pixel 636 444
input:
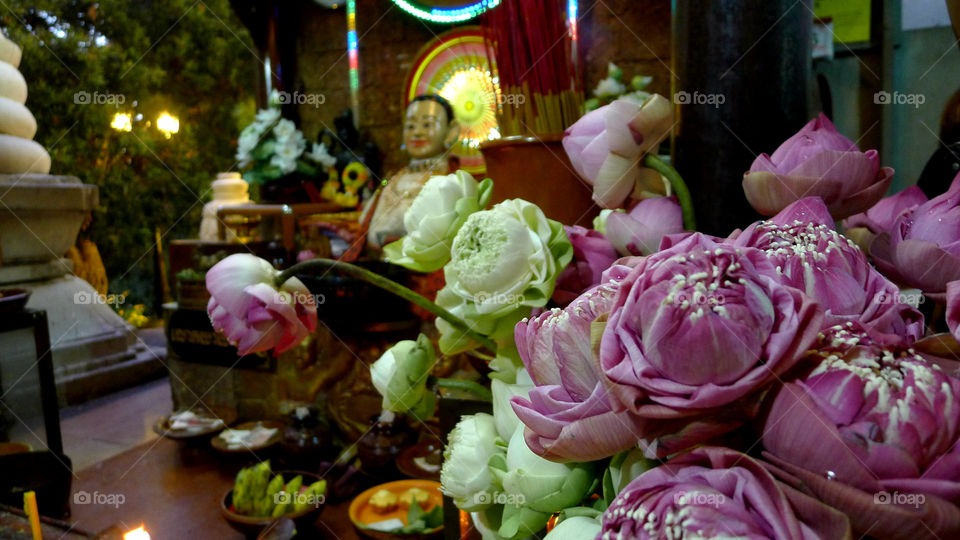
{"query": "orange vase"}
pixel 538 170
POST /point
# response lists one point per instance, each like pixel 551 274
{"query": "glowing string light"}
pixel 572 21
pixel 353 59
pixel 446 15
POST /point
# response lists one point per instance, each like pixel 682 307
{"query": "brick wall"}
pixel 634 34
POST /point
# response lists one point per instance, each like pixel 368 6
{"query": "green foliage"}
pixel 420 521
pixel 189 274
pixel 192 59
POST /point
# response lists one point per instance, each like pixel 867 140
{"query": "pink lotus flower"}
pixel 607 145
pixel 953 308
pixel 716 492
pixel 864 227
pixel 639 231
pixel 870 420
pixel 817 161
pixel 569 415
pixel 880 217
pixel 923 247
pixel 697 328
pixel 811 256
pixel 592 254
pixel 252 312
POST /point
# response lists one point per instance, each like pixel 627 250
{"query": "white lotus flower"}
pixel 400 375
pixel 503 262
pixel 535 487
pixel 433 219
pixel 507 420
pixel 465 476
pixel 575 528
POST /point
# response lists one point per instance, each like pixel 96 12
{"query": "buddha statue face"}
pixel 427 132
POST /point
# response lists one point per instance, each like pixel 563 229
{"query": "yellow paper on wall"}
pixel 851 18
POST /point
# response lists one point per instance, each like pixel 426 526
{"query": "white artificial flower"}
pixel 290 148
pixel 285 157
pixel 319 153
pixel 249 138
pixel 465 476
pixel 247 141
pixel 609 87
pixel 266 117
pixel 254 129
pixel 274 99
pixel 286 166
pixel 285 130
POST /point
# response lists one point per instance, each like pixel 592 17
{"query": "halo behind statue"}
pixel 454 65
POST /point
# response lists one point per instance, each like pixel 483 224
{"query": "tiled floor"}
pixel 105 427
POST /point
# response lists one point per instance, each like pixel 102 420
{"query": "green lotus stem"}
pixel 389 286
pixel 474 388
pixel 679 187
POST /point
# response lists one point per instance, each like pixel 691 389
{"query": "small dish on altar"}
pixel 304 519
pixel 422 460
pixel 249 437
pixel 197 422
pixel 377 523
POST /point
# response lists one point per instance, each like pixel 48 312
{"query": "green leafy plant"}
pixel 87 61
pixel 189 274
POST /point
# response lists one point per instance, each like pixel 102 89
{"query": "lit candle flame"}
pixel 137 534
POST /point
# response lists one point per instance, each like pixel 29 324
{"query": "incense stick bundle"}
pixel 529 45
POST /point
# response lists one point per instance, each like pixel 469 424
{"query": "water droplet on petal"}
pixel 831 475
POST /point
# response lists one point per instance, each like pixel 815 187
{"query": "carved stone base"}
pixel 95 351
pixel 41 215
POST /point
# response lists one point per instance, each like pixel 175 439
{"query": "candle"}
pixel 30 508
pixel 137 534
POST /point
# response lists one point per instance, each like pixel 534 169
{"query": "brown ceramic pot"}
pixel 538 170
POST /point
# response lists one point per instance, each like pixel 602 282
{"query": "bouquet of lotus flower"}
pixel 650 381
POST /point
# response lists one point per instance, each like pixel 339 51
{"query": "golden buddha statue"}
pixel 428 133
